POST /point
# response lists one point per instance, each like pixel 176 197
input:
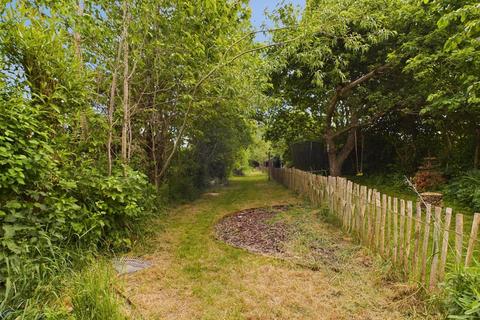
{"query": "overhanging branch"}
pixel 199 84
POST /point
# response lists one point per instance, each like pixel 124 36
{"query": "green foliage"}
pixel 259 148
pixel 92 295
pixel 389 183
pixel 441 53
pixel 185 179
pixel 463 294
pixel 191 98
pixel 330 79
pixel 110 205
pixel 215 151
pixel 50 204
pixel 32 281
pixel 445 48
pixel 87 292
pixel 42 194
pixel 29 171
pixel 466 189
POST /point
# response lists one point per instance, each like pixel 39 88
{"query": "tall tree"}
pixel 442 51
pixel 331 71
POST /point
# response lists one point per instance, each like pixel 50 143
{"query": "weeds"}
pixel 71 286
pixel 93 295
pixel 462 290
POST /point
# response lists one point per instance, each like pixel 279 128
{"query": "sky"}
pixel 258 9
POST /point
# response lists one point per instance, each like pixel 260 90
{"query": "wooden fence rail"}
pixel 420 243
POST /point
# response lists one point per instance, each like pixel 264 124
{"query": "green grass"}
pixel 396 186
pixel 195 276
pixel 93 296
pixel 64 290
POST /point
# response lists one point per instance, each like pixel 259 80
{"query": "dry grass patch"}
pixel 196 276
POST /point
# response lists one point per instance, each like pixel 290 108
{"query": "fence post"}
pixel 408 236
pixel 388 249
pixel 363 213
pixel 401 232
pixel 382 224
pixel 473 238
pixel 436 247
pixel 395 230
pixel 356 208
pixel 418 231
pixel 458 238
pixel 426 237
pixel 371 217
pixel 378 220
pixel 444 252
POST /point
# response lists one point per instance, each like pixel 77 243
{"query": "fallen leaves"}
pixel 252 229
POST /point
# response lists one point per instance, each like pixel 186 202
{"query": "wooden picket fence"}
pixel 417 239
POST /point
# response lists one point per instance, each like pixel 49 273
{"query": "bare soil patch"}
pixel 252 229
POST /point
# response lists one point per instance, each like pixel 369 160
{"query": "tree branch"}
pixel 342 90
pixel 349 86
pixel 198 85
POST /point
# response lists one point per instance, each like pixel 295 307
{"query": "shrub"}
pixel 463 294
pixel 43 195
pixel 109 206
pixel 52 204
pixel 466 189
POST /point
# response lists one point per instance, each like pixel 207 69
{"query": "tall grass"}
pixel 64 287
pixel 29 283
pixel 93 295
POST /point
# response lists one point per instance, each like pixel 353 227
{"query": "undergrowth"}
pixel 87 294
pixel 462 290
pixel 465 189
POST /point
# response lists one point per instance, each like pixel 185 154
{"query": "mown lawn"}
pixel 195 276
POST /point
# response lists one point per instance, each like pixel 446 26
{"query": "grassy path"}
pixel 197 277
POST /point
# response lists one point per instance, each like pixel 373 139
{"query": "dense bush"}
pixel 50 202
pixel 393 183
pixel 463 294
pixel 43 194
pixel 185 179
pixel 466 189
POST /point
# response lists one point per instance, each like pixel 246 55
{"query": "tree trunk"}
pixel 111 104
pixel 155 162
pixel 126 110
pixel 335 167
pixel 111 108
pixel 77 39
pixel 337 158
pixel 76 34
pixel 476 160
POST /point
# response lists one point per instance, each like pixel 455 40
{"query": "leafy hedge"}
pixel 466 189
pixel 50 201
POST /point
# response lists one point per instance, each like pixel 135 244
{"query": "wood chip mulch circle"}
pixel 254 230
